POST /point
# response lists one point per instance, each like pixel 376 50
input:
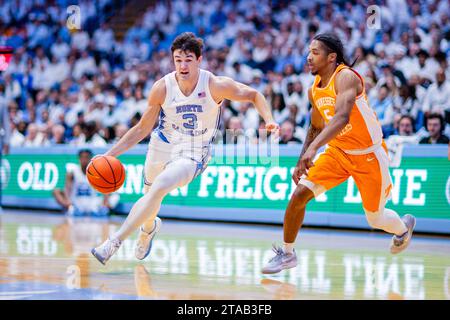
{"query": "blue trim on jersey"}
pixel 199 169
pixel 219 115
pixel 162 136
pixel 160 127
pixel 162 115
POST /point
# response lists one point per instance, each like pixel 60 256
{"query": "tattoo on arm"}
pixel 313 132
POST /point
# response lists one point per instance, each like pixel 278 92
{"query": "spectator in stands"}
pixel 58 136
pixel 44 121
pixel 104 39
pixel 15 115
pixel 137 31
pixel 435 126
pixel 84 65
pixel 424 66
pixel 34 137
pixel 437 98
pixel 250 117
pixel 383 106
pixel 280 112
pixel 406 136
pixel 12 88
pixel 89 136
pixel 80 40
pixel 235 131
pixel 77 133
pixel 240 72
pixel 141 103
pixel 60 49
pixel 119 132
pixel 406 126
pixel 406 101
pixel 287 129
pixel 16 139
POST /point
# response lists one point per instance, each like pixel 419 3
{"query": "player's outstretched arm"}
pixel 227 88
pixel 346 91
pixel 315 128
pixel 145 125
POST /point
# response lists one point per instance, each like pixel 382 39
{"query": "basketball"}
pixel 106 174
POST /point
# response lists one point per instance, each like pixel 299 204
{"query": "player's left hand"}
pixel 306 161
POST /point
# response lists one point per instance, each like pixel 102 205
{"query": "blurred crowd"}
pixel 84 87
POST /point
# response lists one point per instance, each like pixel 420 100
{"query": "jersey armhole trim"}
pixel 360 78
pixel 207 89
pixel 167 81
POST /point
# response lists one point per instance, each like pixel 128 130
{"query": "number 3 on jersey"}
pixel 191 122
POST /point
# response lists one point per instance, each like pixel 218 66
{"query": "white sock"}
pixel 177 174
pixel 387 220
pixel 288 247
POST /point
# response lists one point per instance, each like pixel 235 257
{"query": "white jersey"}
pixel 188 123
pixel 83 196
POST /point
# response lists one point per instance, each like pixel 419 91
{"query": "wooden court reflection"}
pixel 46 256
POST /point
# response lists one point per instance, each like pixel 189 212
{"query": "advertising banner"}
pixel 421 185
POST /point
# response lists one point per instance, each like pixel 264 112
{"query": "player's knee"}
pixel 374 218
pixel 160 188
pixel 163 185
pixel 301 196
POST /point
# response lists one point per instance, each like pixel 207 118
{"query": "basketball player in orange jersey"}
pixel 187 102
pixel 341 119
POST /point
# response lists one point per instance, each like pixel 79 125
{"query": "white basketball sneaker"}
pixel 145 240
pixel 106 250
pixel 280 261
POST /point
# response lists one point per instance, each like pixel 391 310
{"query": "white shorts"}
pixel 160 154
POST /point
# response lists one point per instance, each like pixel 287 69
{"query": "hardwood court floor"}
pixel 47 256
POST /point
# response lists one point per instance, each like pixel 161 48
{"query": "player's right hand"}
pixel 306 161
pixel 297 174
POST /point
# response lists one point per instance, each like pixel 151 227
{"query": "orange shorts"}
pixel 370 172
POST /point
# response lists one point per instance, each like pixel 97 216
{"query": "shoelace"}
pixel 112 246
pixel 398 240
pixel 278 251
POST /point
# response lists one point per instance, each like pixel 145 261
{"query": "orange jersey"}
pixel 363 130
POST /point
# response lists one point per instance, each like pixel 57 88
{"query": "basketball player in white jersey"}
pixel 187 102
pixel 78 197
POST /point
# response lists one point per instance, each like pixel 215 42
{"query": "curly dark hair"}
pixel 187 41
